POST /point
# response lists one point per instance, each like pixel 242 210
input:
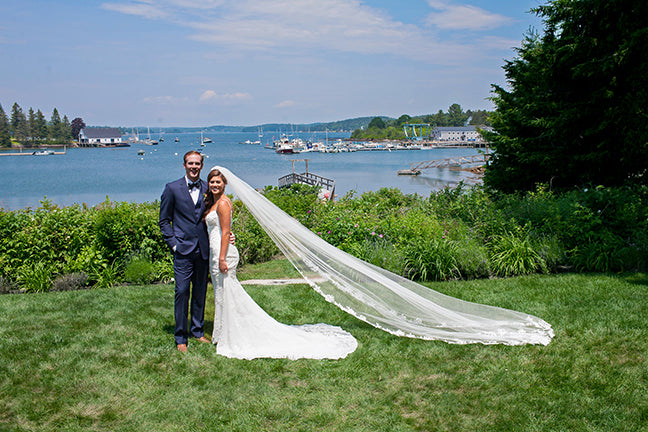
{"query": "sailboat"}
pixel 204 140
pixel 150 141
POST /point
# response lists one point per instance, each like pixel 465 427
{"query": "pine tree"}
pixel 576 111
pixel 40 127
pixel 18 124
pixel 54 127
pixel 5 135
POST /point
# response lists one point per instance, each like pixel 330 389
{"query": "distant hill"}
pixel 348 125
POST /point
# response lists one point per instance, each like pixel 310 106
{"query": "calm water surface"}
pixel 89 175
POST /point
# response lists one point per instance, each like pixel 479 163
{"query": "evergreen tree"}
pixel 5 134
pixel 456 116
pixel 55 129
pixel 18 124
pixel 576 112
pixel 31 125
pixel 66 130
pixel 40 127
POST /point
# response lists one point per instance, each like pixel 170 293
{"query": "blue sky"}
pixel 164 63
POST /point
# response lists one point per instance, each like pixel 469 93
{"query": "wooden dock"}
pixel 307 178
pixel 453 162
pixel 36 152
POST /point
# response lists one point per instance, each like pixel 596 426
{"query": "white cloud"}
pixel 161 99
pixel 210 96
pixel 285 104
pixel 140 9
pixel 463 17
pixel 303 26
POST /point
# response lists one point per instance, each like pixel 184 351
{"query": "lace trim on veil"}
pixel 383 299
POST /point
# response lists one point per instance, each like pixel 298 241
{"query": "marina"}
pixel 91 174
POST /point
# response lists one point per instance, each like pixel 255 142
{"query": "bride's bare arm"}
pixel 224 211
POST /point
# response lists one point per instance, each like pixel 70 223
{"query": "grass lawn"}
pixel 105 360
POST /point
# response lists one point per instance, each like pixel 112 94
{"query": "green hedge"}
pixel 460 233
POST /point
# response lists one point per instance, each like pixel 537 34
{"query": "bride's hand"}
pixel 232 238
pixel 222 266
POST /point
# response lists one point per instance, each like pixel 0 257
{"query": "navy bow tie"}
pixel 194 185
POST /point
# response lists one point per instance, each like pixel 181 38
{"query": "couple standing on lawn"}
pixel 195 220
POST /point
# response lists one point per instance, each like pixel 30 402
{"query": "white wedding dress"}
pixel 243 330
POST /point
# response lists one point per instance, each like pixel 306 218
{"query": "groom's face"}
pixel 193 164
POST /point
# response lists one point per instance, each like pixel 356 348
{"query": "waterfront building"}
pixel 100 137
pixel 459 134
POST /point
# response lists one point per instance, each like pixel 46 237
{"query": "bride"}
pixel 374 295
pixel 241 328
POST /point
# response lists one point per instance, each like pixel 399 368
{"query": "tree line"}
pixel 385 128
pixel 33 129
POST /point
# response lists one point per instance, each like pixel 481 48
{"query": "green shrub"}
pixel 432 260
pixel 123 229
pixel 139 270
pixel 35 277
pixel 458 232
pixel 515 255
pixel 105 275
pixel 252 242
pixel 381 253
pixel 163 269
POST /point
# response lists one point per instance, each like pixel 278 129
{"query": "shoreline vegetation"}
pixel 32 130
pixel 463 233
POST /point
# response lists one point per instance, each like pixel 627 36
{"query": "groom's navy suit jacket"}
pixel 181 220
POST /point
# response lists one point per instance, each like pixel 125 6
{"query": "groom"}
pixel 184 230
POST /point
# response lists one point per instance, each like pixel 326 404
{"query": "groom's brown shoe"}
pixel 203 339
pixel 182 347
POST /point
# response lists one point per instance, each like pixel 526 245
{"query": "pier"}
pixel 308 178
pixel 35 152
pixel 453 162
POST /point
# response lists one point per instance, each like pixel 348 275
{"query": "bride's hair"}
pixel 209 196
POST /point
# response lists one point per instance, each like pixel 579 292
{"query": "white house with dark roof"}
pixel 99 137
pixel 459 134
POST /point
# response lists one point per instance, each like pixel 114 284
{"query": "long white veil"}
pixel 381 298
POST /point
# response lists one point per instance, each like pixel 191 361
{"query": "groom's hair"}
pixel 192 152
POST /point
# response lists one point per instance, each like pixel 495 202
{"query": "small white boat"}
pixel 43 152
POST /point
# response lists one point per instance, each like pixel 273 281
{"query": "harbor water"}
pixel 90 175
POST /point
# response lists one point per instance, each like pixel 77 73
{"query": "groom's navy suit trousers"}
pixel 184 229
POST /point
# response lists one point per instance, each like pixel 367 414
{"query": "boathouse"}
pixel 100 137
pixel 459 134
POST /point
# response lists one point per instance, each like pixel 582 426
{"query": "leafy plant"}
pixel 105 275
pixel 35 277
pixel 139 270
pixel 432 259
pixel 163 270
pixel 514 255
